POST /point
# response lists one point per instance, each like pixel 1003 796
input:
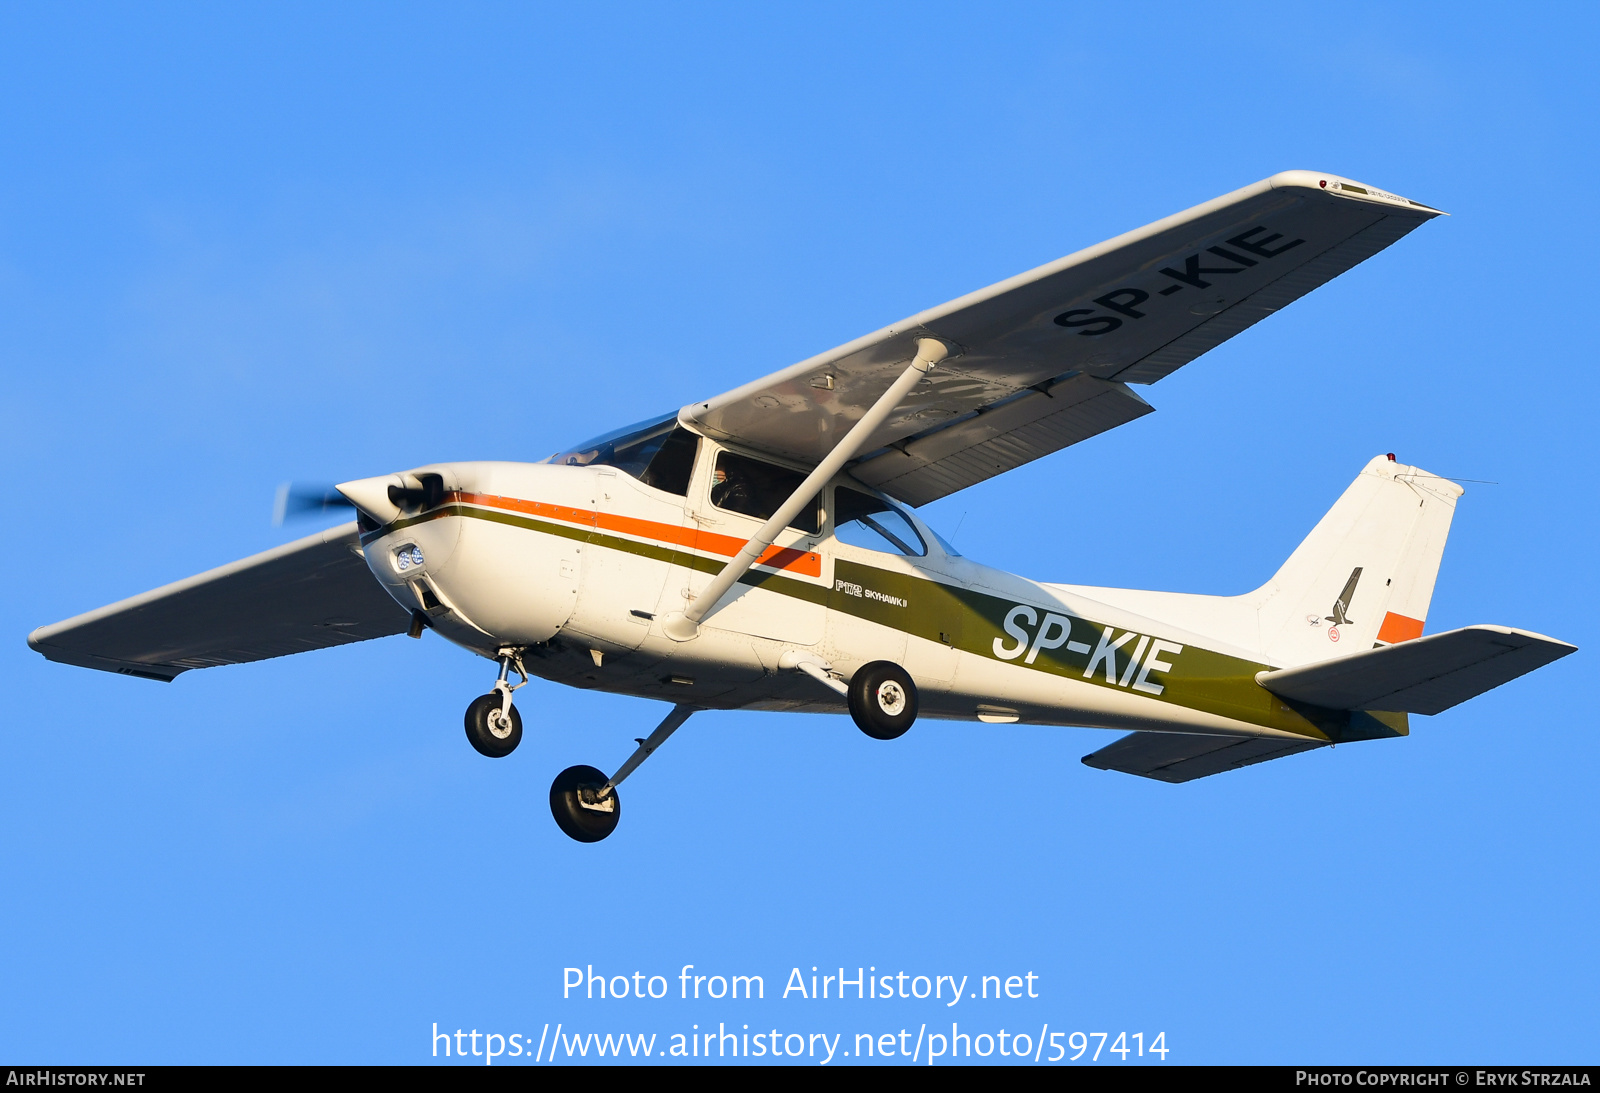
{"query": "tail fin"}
pixel 1364 576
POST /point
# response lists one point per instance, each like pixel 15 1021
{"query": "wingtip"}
pixel 1339 186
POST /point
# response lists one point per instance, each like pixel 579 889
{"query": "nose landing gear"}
pixel 494 727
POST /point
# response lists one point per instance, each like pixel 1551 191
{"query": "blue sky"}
pixel 241 244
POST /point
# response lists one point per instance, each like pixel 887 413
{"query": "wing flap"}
pixel 313 593
pixel 1002 437
pixel 1424 675
pixel 1171 757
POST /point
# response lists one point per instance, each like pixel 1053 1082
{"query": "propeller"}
pixel 298 500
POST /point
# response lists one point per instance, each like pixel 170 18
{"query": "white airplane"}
pixel 758 550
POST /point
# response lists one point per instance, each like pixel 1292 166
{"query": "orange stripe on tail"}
pixel 1399 628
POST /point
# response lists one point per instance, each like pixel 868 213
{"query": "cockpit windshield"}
pixel 658 452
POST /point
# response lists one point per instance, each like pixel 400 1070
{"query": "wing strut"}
pixel 681 626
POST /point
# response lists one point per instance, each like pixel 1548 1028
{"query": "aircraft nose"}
pixel 371 496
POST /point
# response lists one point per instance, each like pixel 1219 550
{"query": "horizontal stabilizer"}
pixel 1424 675
pixel 1171 757
pixel 309 594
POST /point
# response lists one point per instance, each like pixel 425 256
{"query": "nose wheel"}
pixel 493 731
pixel 494 727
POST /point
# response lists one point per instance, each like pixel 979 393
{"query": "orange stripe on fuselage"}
pixel 797 561
pixel 1399 628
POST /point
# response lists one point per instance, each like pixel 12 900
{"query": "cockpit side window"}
pixel 673 464
pixel 753 488
pixel 659 453
pixel 862 520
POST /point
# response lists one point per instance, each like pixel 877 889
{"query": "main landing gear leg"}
pixel 585 802
pixel 494 727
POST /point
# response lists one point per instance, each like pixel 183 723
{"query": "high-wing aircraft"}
pixel 760 549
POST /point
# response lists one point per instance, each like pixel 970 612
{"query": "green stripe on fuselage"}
pixel 973 621
pixel 1200 679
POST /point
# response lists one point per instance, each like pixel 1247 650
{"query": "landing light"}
pixel 407 557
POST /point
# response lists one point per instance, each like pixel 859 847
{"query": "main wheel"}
pixel 587 825
pixel 883 700
pixel 488 731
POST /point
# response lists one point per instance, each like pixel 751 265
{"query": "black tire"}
pixel 883 700
pixel 482 735
pixel 583 824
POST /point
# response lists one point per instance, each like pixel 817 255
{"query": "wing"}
pixel 1424 675
pixel 1170 757
pixel 308 594
pixel 1043 360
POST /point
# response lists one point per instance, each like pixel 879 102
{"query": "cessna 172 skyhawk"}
pixel 758 550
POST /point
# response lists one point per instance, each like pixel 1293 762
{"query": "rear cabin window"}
pixel 862 520
pixel 658 453
pixel 753 488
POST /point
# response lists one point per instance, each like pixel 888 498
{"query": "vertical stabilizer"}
pixel 1364 576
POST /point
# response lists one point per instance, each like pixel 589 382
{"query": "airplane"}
pixel 760 550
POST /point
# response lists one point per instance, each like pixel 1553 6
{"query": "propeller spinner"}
pixel 382 498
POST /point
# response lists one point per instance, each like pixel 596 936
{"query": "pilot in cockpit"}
pixel 729 489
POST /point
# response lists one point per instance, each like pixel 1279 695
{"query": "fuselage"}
pixel 575 566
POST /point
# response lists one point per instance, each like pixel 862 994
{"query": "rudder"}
pixel 1365 574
